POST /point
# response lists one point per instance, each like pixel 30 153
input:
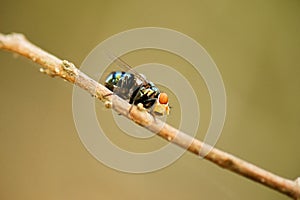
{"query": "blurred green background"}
pixel 256 46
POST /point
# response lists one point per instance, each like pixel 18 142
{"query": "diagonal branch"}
pixel 54 66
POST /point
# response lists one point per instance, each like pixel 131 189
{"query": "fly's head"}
pixel 161 106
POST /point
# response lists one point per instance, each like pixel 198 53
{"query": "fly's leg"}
pixel 134 95
pixel 149 102
pixel 107 95
pixel 107 103
pixel 152 102
pixel 115 91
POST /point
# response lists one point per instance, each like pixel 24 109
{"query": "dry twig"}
pixel 53 66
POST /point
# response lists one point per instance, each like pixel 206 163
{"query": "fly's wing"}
pixel 126 67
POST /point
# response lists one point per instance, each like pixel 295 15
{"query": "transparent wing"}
pixel 126 67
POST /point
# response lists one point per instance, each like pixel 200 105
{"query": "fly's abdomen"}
pixel 112 80
pixel 121 83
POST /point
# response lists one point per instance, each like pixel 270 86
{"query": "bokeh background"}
pixel 256 46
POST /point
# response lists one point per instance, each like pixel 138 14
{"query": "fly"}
pixel 136 89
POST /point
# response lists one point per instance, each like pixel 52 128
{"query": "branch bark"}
pixel 54 66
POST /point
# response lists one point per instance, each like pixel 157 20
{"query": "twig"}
pixel 54 66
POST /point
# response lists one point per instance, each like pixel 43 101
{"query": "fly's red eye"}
pixel 163 98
